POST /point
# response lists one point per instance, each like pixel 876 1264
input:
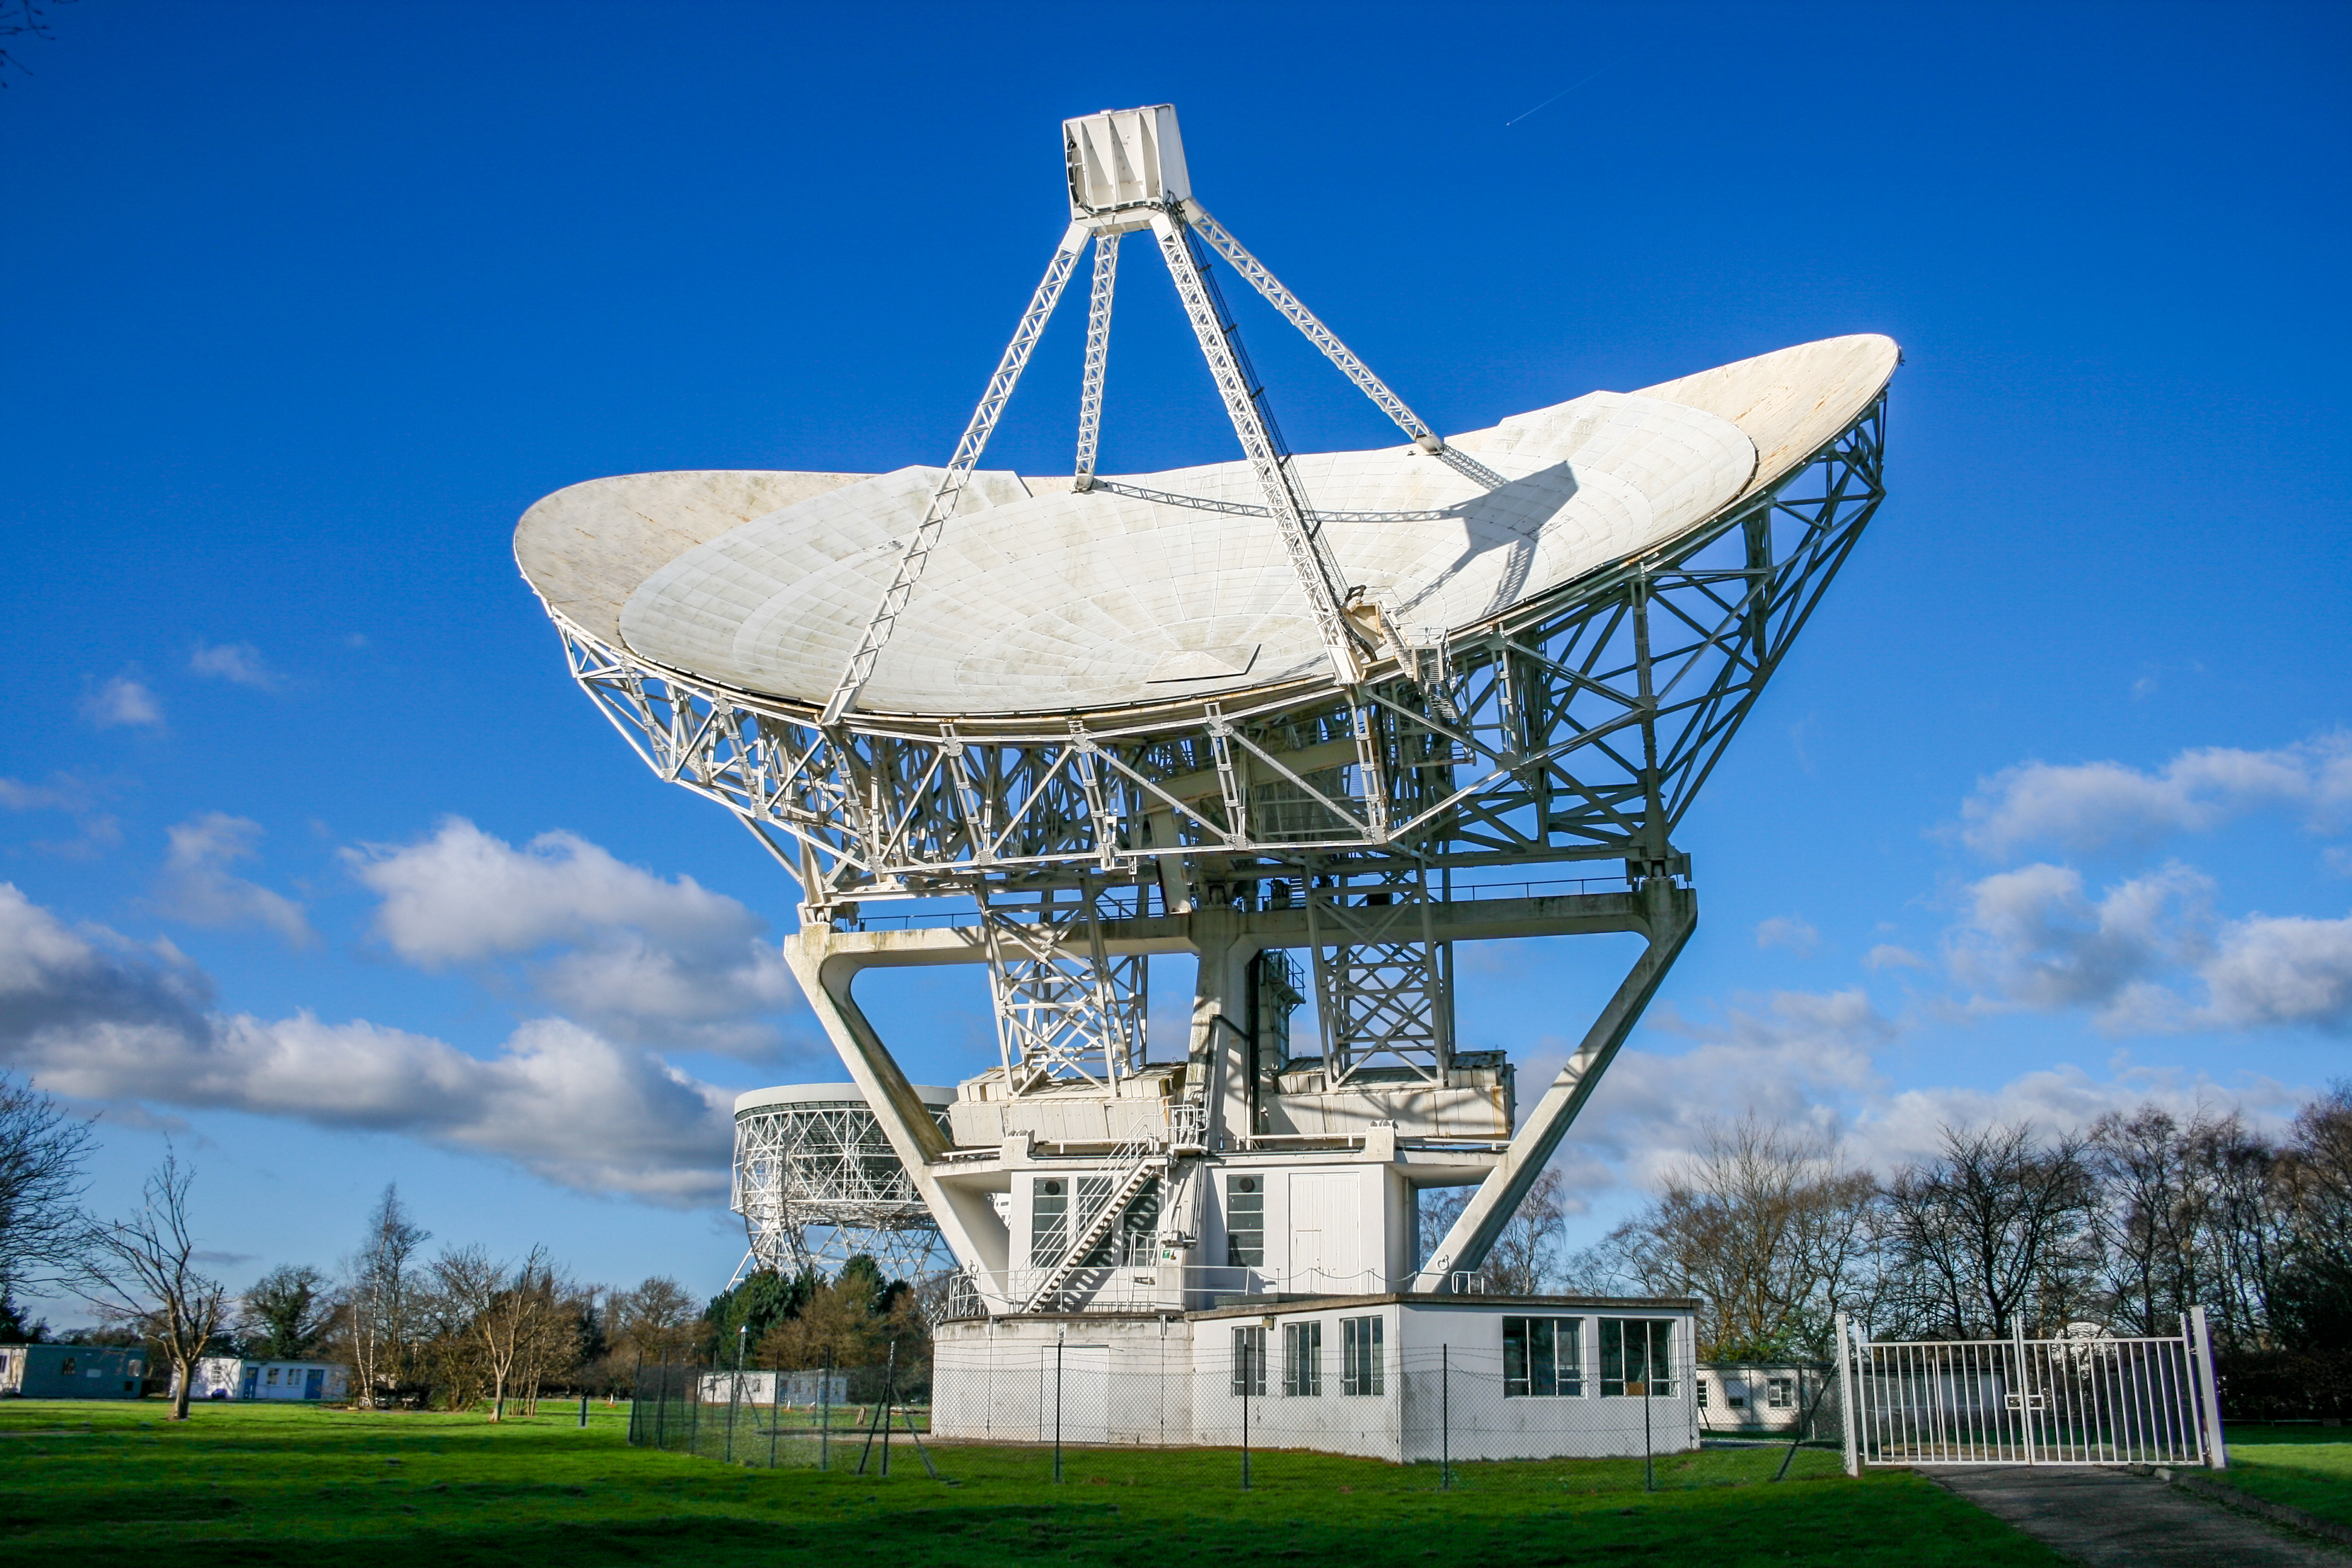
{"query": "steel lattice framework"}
pixel 818 1183
pixel 1577 726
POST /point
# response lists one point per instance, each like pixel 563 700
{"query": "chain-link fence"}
pixel 1244 1415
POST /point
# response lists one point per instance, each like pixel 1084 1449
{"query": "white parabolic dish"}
pixel 1038 599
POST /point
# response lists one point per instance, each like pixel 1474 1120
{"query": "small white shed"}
pixel 248 1378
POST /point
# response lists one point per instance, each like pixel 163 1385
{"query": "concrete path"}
pixel 2110 1519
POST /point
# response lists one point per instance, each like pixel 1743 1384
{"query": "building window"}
pixel 272 1378
pixel 1738 1401
pixel 1781 1394
pixel 1543 1356
pixel 1637 1358
pixel 1302 1359
pixel 65 1367
pixel 1246 1222
pixel 1249 1360
pixel 1139 1226
pixel 1698 1387
pixel 1049 1224
pixel 1360 1369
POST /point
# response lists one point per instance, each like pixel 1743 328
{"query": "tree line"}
pixel 454 1329
pixel 2124 1223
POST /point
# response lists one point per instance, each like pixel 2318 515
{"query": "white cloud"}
pixel 239 662
pixel 94 1017
pixel 196 886
pixel 2289 969
pixel 1792 931
pixel 1810 1060
pixel 2091 806
pixel 122 701
pixel 2034 939
pixel 62 793
pixel 1795 1057
pixel 1887 956
pixel 2147 955
pixel 663 961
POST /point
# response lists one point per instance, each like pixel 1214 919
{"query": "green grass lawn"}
pixel 250 1484
pixel 2309 1468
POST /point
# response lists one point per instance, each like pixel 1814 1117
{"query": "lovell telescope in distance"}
pixel 1312 717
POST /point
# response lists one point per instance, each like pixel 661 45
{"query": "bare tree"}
pixel 381 1291
pixel 512 1318
pixel 286 1311
pixel 1769 1227
pixel 1526 1255
pixel 142 1271
pixel 1996 1230
pixel 655 1322
pixel 44 1150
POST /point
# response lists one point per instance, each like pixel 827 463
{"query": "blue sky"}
pixel 2045 814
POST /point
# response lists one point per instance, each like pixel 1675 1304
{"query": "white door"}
pixel 1074 1401
pixel 1327 1241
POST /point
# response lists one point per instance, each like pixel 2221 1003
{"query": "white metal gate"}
pixel 2089 1398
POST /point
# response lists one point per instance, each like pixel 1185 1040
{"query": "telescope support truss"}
pixel 1383 988
pixel 1065 1009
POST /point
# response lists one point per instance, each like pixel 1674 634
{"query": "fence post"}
pixel 584 1410
pixel 734 1399
pixel 661 1405
pixel 775 1410
pixel 2024 1385
pixel 1846 1397
pixel 1245 1399
pixel 694 1411
pixel 889 1401
pixel 1059 1335
pixel 2217 1452
pixel 825 1419
pixel 1649 1472
pixel 636 1393
pixel 1445 1418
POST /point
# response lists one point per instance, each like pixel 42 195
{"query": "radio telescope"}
pixel 1366 704
pixel 817 1183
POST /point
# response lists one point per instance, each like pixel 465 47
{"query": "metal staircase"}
pixel 1137 1161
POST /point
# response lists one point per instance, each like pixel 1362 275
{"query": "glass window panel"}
pixel 1049 1221
pixel 1249 1360
pixel 1246 1222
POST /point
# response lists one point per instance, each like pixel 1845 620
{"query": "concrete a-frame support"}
pixel 1669 916
pixel 1224 940
pixel 972 1233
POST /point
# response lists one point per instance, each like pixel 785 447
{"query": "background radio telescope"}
pixel 1356 703
pixel 817 1183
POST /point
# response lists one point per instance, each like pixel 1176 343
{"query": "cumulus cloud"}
pixel 197 887
pixel 237 662
pixel 1792 931
pixel 2147 955
pixel 2288 970
pixel 1793 1057
pixel 2034 938
pixel 94 1017
pixel 122 703
pixel 662 961
pixel 1810 1060
pixel 1887 956
pixel 2091 806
